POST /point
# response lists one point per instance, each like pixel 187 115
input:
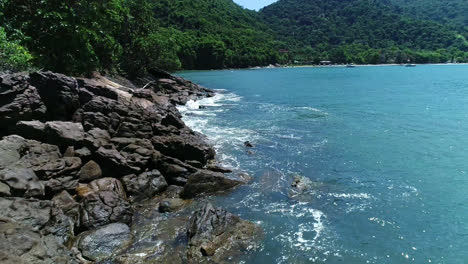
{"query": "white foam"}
pixel 351 195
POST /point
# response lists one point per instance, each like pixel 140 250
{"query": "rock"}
pixel 104 202
pixel 184 147
pixel 31 129
pixel 58 92
pixel 64 133
pixel 219 234
pixel 83 153
pixel 59 167
pixel 96 138
pixel 28 212
pixel 22 182
pixel 19 101
pixel 69 152
pixel 10 150
pixel 103 242
pixel 68 205
pixel 145 185
pixel 21 244
pixel 4 189
pixel 301 184
pixel 113 161
pixel 53 186
pixel 90 171
pixel 171 205
pixel 247 144
pixel 208 182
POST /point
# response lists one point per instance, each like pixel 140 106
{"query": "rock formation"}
pixel 76 155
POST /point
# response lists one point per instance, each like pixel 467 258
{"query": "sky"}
pixel 254 4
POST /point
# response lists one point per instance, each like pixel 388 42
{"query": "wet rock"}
pixel 104 202
pixel 208 182
pixel 247 144
pixel 301 184
pixel 64 133
pixel 103 242
pixel 22 182
pixel 90 171
pixel 171 205
pixel 219 234
pixel 58 92
pixel 145 185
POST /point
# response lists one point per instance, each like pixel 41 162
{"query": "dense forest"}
pixel 361 31
pixel 132 37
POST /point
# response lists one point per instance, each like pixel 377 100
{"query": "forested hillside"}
pixel 448 12
pixel 132 37
pixel 360 31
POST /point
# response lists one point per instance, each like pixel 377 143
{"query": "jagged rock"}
pixel 96 138
pixel 31 129
pixel 21 244
pixel 113 161
pixel 64 133
pixel 56 185
pixel 90 171
pixel 28 212
pixel 171 205
pixel 103 242
pixel 11 148
pixel 59 167
pixel 58 92
pixel 19 101
pixel 208 182
pixel 184 147
pixel 104 202
pixel 145 185
pixel 219 234
pixel 22 182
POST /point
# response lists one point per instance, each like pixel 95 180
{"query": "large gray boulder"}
pixel 22 182
pixel 209 182
pixel 103 242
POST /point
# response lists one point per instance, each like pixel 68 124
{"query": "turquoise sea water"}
pixel 386 149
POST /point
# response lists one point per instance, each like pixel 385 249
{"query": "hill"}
pixel 360 31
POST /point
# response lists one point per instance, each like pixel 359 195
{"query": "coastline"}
pixel 92 157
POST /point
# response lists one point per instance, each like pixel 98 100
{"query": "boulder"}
pixel 31 130
pixel 104 202
pixel 103 242
pixel 90 171
pixel 22 244
pixel 216 233
pixel 145 185
pixel 185 147
pixel 58 92
pixel 68 166
pixel 18 101
pixel 28 212
pixel 4 189
pixel 208 182
pixel 22 182
pixel 64 133
pixel 301 184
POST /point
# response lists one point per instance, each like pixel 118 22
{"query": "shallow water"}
pixel 385 147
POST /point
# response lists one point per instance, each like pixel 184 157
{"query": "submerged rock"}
pixel 171 205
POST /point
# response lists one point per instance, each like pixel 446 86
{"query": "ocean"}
pixel 385 150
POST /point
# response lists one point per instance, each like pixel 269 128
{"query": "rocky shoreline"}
pixel 104 170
